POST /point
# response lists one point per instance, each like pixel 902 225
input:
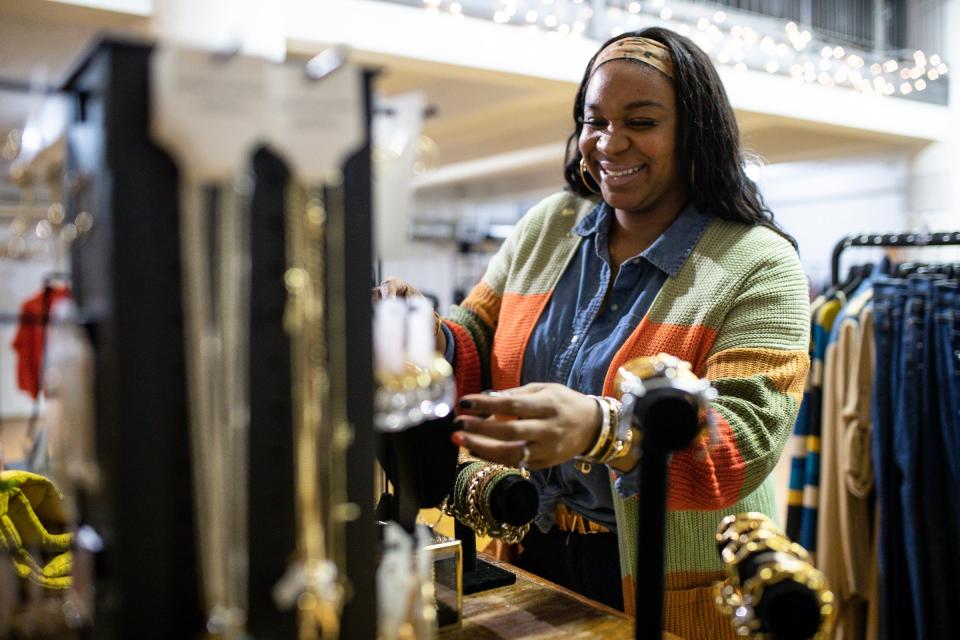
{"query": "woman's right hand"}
pixel 395 288
pixel 398 288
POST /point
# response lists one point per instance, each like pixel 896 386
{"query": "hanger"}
pixel 856 276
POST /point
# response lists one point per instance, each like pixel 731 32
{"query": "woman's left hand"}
pixel 539 424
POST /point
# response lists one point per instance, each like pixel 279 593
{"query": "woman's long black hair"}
pixel 708 139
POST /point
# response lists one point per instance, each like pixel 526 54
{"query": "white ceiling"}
pixel 478 117
pixel 477 113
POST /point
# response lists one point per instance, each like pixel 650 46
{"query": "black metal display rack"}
pixel 127 283
pixel 918 239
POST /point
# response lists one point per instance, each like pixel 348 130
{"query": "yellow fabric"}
pixel 30 506
pixel 567 520
pixel 786 370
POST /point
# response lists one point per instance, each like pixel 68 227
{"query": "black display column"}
pixel 360 614
pixel 127 283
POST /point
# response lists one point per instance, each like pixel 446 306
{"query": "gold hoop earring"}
pixel 583 177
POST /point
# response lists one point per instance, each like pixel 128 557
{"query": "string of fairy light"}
pixel 737 40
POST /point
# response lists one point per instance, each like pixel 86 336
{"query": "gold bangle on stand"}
pixel 773 559
pixel 469 502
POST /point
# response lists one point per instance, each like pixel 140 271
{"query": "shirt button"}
pixel 614 307
pixel 574 338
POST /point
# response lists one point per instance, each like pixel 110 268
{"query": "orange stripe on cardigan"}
pixel 687 342
pixel 467 370
pixel 786 370
pixel 704 476
pixel 518 317
pixel 707 476
pixel 485 302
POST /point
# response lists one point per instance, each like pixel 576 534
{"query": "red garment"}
pixel 28 343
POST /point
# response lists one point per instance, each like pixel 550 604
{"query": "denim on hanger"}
pixel 947 346
pixel 914 449
pixel 895 606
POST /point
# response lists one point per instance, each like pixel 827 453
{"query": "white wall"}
pixel 816 202
pixel 820 202
pixel 436 267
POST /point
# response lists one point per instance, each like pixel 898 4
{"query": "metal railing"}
pixel 874 25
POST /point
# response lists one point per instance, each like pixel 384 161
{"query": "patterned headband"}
pixel 643 50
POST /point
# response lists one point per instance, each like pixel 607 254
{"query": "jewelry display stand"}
pixel 513 501
pixel 668 422
pixel 772 587
pixel 478 575
pixel 666 403
pixel 421 464
pixel 128 284
pixel 128 288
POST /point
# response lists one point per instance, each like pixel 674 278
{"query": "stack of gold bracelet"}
pixel 469 502
pixel 612 443
pixel 776 559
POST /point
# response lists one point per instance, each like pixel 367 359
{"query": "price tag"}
pixel 208 111
pixel 315 125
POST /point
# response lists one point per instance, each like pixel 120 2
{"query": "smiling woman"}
pixel 660 244
pixel 628 140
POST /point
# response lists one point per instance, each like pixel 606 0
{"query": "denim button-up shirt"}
pixel 579 333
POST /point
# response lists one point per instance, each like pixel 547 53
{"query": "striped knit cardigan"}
pixel 738 311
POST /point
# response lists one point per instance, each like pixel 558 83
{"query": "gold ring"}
pixel 524 459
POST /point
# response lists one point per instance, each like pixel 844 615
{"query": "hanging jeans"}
pixel 909 421
pixel 914 448
pixel 929 501
pixel 896 608
pixel 946 317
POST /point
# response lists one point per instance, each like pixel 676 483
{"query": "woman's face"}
pixel 629 138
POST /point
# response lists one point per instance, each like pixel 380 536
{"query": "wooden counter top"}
pixel 535 608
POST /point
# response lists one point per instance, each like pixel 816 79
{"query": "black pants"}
pixel 586 563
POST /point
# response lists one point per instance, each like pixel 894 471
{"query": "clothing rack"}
pixel 919 239
pixel 17 318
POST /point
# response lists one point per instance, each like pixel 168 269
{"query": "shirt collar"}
pixel 668 252
pixel 590 223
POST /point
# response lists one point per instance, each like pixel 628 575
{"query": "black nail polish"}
pixel 466 404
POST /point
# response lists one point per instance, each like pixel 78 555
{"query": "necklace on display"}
pixel 314 313
pixel 215 220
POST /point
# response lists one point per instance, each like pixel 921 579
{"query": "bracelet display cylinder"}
pixel 493 500
pixel 667 404
pixel 514 500
pixel 772 590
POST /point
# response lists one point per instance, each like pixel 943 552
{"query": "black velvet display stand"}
pixel 421 463
pixel 514 501
pixel 667 419
pixel 787 610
